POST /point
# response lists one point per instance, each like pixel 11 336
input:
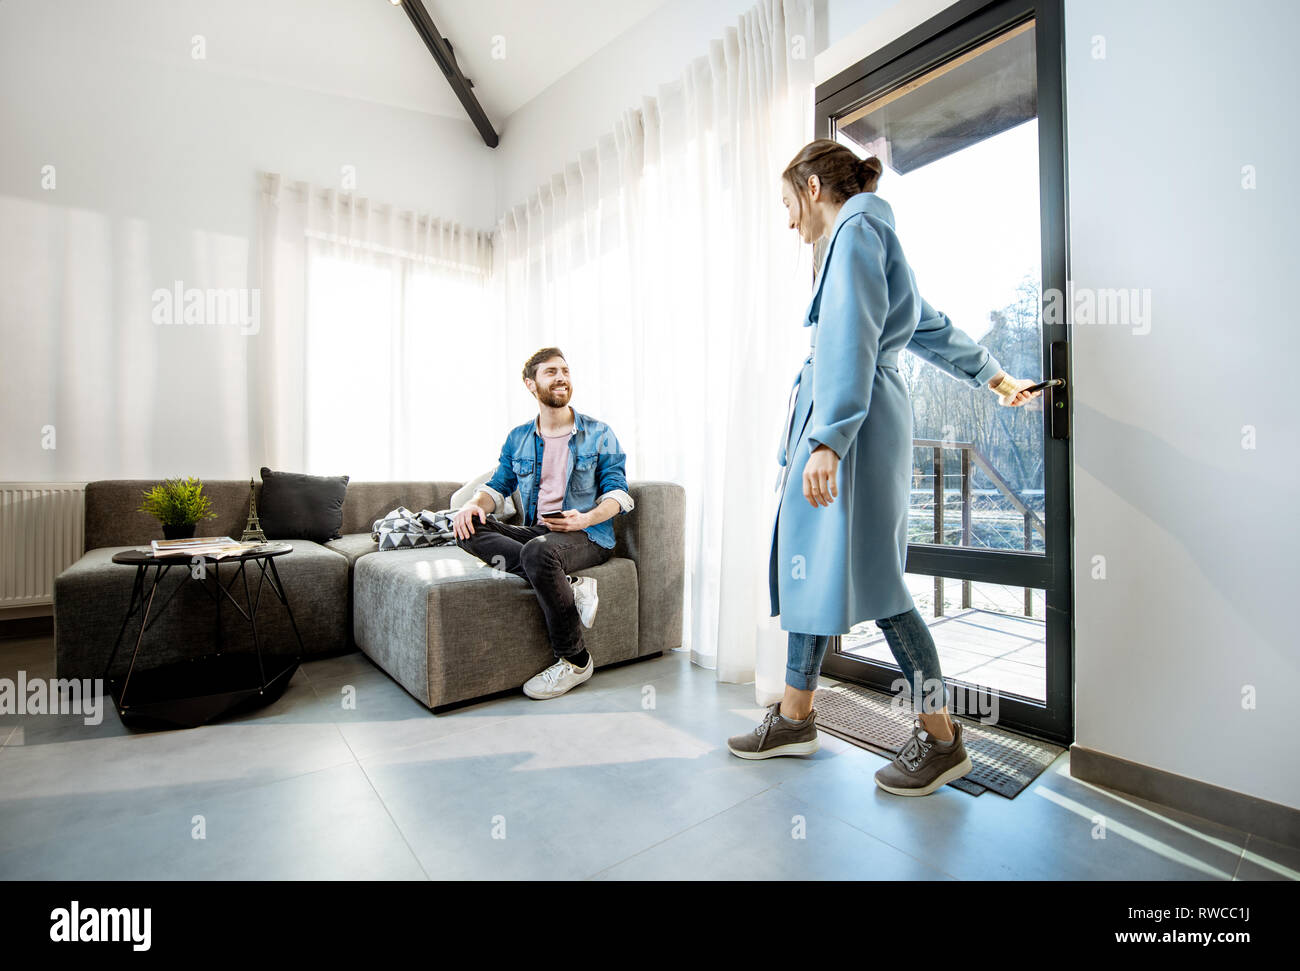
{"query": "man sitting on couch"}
pixel 569 470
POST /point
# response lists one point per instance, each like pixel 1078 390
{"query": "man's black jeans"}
pixel 544 558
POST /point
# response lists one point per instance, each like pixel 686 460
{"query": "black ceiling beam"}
pixel 441 50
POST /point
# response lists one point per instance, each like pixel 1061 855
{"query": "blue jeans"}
pixel 910 642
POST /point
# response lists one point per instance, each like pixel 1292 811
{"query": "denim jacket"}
pixel 595 472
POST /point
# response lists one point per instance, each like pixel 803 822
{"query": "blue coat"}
pixel 832 567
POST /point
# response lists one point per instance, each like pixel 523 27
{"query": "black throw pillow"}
pixel 297 506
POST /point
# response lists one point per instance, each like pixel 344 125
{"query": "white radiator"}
pixel 41 532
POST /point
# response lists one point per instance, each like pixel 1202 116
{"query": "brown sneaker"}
pixel 925 763
pixel 776 736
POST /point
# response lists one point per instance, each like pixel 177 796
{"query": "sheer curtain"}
pixel 364 310
pixel 660 261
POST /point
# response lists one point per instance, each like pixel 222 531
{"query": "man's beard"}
pixel 555 399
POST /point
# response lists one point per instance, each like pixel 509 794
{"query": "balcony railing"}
pixel 972 458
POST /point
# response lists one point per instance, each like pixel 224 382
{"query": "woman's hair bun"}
pixel 869 170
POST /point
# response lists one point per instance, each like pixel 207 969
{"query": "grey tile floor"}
pixel 626 777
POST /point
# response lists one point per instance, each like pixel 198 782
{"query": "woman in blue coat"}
pixel 839 544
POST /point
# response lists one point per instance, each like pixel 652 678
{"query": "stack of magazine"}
pixel 209 547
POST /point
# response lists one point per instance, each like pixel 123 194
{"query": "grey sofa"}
pixel 442 623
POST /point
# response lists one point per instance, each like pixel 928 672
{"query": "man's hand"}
pixel 571 520
pixel 462 523
pixel 819 474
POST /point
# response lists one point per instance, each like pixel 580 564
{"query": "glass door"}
pixel 965 114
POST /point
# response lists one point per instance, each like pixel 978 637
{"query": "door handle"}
pixel 1057 397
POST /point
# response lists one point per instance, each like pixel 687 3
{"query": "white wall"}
pixel 155 156
pixel 856 28
pixel 1197 532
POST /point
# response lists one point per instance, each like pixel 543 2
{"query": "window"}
pixel 392 391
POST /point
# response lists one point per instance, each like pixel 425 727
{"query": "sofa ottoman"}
pixel 448 627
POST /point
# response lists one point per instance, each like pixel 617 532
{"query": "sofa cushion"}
pixel 353 545
pixel 297 506
pixel 369 501
pixel 91 598
pixel 448 627
pixel 112 516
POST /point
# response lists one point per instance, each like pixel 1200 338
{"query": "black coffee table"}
pixel 194 691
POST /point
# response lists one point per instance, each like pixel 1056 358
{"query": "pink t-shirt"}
pixel 555 462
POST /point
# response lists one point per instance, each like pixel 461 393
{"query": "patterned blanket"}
pixel 402 529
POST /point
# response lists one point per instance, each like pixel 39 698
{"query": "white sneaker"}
pixel 584 598
pixel 558 678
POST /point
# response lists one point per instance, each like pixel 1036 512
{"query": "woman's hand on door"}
pixel 1015 398
pixel 819 474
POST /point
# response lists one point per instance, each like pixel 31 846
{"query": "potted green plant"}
pixel 178 504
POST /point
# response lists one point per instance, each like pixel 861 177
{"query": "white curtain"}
pixel 661 263
pixel 366 312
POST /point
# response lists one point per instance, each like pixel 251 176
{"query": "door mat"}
pixel 1003 761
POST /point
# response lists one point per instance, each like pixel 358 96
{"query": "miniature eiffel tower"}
pixel 253 531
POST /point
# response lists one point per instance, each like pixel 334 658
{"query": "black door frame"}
pixel 960 27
